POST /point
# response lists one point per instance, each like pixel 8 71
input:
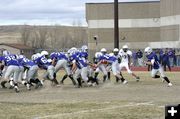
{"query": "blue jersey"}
pixel 28 63
pixel 1 58
pixel 84 55
pixel 165 58
pixel 104 57
pixel 80 62
pixel 10 60
pixel 61 56
pixel 20 60
pixel 43 62
pixel 74 57
pixel 112 59
pixel 53 55
pixel 154 57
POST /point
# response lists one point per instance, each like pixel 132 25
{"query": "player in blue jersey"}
pixel 102 66
pixel 156 66
pixel 112 59
pixel 12 64
pixel 48 65
pixel 80 67
pixel 90 68
pixel 62 63
pixel 31 73
pixel 76 69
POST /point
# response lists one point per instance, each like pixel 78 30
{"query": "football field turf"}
pixel 136 100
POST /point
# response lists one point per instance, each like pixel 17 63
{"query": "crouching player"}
pixel 156 66
pixel 112 59
pixel 47 64
pixel 12 70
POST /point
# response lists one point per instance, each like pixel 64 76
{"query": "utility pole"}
pixel 116 24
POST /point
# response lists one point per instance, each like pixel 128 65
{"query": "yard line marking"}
pixel 94 110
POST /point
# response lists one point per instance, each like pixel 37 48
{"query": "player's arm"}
pixel 92 65
pixel 54 62
pixel 151 62
pixel 129 60
pixel 74 66
pixel 99 63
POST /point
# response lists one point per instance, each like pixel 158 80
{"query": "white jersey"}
pixel 124 55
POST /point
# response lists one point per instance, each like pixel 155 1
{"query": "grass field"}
pixel 136 100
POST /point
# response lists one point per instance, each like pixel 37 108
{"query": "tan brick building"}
pixel 141 24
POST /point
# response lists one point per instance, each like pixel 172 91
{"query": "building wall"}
pixel 170 20
pixel 138 22
pixel 141 24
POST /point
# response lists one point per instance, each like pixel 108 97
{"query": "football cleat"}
pixel 125 82
pixel 169 84
pixel 3 84
pixel 28 86
pixel 16 89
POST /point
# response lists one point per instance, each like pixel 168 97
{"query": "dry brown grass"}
pixel 143 100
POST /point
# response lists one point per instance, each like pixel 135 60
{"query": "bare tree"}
pixel 25 34
pixel 42 32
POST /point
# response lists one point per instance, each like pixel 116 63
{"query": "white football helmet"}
pixel 84 48
pixel 103 50
pixel 35 56
pixel 125 47
pixel 116 50
pixel 44 53
pixel 21 56
pixel 148 50
pixel 5 53
pixel 98 54
pixel 111 54
pixel 73 49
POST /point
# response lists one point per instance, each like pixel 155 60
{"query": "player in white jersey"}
pixel 116 54
pixel 126 55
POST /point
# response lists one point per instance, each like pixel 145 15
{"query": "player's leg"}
pixel 154 73
pixel 58 66
pixel 68 72
pixel 121 65
pixel 84 75
pixel 20 77
pixel 77 76
pixel 64 77
pixel 1 70
pixel 130 72
pixel 103 69
pixel 96 73
pixel 32 77
pixel 161 71
pixel 168 64
pixel 8 73
pixel 108 68
pixel 51 75
pixel 15 77
pixel 117 73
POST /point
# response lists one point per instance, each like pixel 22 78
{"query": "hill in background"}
pixel 44 37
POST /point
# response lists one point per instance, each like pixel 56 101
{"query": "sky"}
pixel 46 12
